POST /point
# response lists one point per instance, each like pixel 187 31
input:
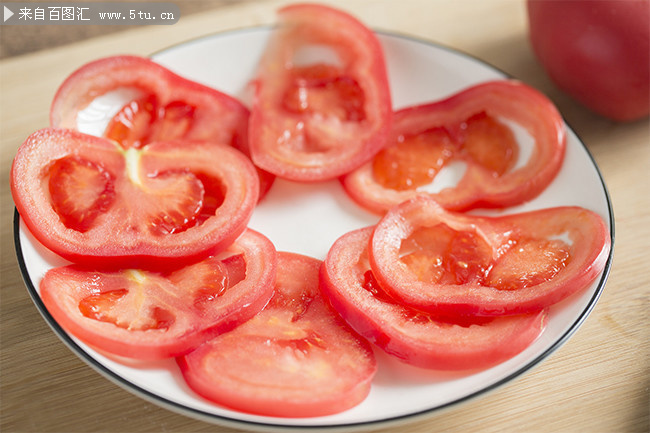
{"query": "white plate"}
pixel 308 218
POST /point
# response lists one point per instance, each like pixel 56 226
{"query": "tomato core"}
pixel 529 262
pixel 415 160
pixel 440 254
pixel 104 307
pixel 323 89
pixel 145 120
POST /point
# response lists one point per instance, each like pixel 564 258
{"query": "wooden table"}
pixel 598 381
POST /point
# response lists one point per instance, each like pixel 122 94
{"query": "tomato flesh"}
pixel 489 143
pixel 296 358
pixel 80 191
pixel 433 340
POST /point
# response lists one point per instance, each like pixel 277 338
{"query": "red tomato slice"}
pixel 148 315
pixel 169 107
pixel 316 119
pixel 296 358
pixel 467 126
pixel 415 337
pixel 435 260
pixel 89 200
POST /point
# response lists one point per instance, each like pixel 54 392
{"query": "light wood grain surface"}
pixel 597 382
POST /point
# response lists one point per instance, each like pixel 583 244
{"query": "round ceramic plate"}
pixel 308 218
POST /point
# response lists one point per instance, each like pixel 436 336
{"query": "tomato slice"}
pixel 427 340
pixel 167 106
pixel 469 127
pixel 435 260
pixel 296 358
pixel 322 104
pixel 150 315
pixel 89 200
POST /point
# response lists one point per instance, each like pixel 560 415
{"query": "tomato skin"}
pixel 163 320
pixel 301 142
pixel 479 187
pixel 296 358
pixel 417 338
pixel 211 115
pixel 596 51
pixel 120 236
pixel 588 248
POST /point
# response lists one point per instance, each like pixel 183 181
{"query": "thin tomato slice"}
pixel 472 127
pixel 427 340
pixel 440 261
pixel 148 315
pixel 165 100
pixel 322 105
pixel 296 358
pixel 91 201
pixel 166 106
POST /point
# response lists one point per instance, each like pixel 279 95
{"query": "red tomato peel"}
pixel 597 51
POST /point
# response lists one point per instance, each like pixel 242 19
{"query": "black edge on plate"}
pixel 234 422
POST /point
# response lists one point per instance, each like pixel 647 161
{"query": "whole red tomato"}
pixel 598 51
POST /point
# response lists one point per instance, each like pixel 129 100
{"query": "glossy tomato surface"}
pixel 471 127
pixel 436 260
pixel 160 106
pixel 422 339
pixel 92 201
pixel 296 358
pixel 151 315
pixel 322 104
pixel 598 51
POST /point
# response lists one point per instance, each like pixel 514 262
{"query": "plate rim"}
pixel 266 426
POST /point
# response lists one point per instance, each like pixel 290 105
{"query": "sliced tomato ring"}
pixel 318 116
pixel 148 315
pixel 166 99
pixel 166 107
pixel 296 358
pixel 89 200
pixel 469 127
pixel 435 260
pixel 426 340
